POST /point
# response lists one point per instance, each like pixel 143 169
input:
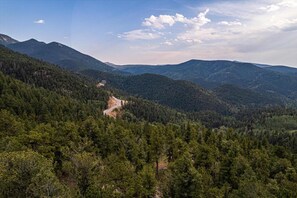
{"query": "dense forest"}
pixel 55 142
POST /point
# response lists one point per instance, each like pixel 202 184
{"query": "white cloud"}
pixel 139 35
pixel 230 23
pixel 288 3
pixel 168 43
pixel 161 21
pixel 201 19
pixel 254 31
pixel 40 21
pixel 194 33
pixel 189 33
pixel 270 8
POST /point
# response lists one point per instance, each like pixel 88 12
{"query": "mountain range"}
pixel 6 40
pixel 55 53
pixel 56 142
pixel 195 85
pixel 211 74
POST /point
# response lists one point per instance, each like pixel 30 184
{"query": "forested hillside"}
pixel 246 97
pixel 180 95
pixel 55 142
pixel 224 99
pixel 42 74
pixel 211 74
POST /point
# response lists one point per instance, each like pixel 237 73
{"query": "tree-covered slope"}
pixel 177 94
pixel 42 105
pixel 41 74
pixel 54 143
pixel 283 69
pixel 181 95
pixel 214 73
pixel 246 97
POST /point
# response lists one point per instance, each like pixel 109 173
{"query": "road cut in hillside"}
pixel 114 104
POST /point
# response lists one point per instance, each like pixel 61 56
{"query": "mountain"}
pixel 177 94
pixel 6 40
pixel 245 97
pixel 279 68
pixel 283 69
pixel 211 74
pixel 53 145
pixel 59 54
pixel 44 75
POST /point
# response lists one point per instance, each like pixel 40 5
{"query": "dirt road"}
pixel 113 104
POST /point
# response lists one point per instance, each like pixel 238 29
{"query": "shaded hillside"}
pixel 283 69
pixel 62 55
pixel 41 74
pixel 42 105
pixel 181 95
pixel 138 109
pixel 214 73
pixel 245 97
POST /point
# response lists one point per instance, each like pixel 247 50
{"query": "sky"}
pixel 160 31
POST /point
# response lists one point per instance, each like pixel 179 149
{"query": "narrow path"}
pixel 113 104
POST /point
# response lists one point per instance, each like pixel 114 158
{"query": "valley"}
pixel 195 129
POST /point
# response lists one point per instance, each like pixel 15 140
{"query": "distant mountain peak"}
pixel 111 64
pixel 56 44
pixel 32 40
pixel 59 54
pixel 6 40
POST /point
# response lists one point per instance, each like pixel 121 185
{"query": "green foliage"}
pixel 180 95
pixel 40 104
pixel 172 93
pixel 185 180
pixel 55 145
pixel 51 77
pixel 138 109
pixel 214 73
pixel 28 174
pixel 245 97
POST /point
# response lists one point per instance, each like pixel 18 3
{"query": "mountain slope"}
pixel 6 40
pixel 283 69
pixel 214 73
pixel 47 76
pixel 62 55
pixel 245 97
pixel 178 94
pixel 41 104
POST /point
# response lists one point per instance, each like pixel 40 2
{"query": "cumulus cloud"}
pixel 158 24
pixel 161 21
pixel 201 19
pixel 139 35
pixel 40 21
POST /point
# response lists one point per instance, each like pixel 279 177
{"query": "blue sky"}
pixel 160 31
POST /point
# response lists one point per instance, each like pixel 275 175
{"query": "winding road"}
pixel 113 103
